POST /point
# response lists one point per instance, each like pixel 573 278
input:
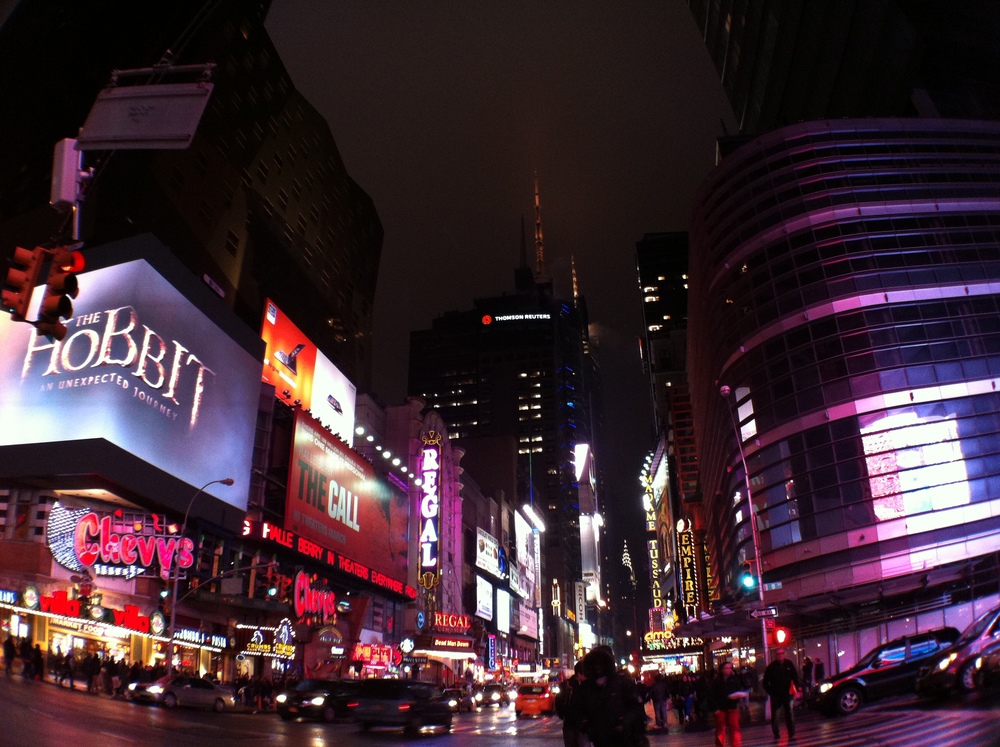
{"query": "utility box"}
pixel 65 175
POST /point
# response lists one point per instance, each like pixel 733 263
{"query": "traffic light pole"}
pixel 725 392
pixel 177 573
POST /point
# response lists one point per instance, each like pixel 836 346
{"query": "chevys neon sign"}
pixel 430 507
pixel 124 544
pixel 317 603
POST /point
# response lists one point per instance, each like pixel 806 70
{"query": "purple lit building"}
pixel 845 286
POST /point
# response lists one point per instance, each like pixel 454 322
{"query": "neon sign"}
pixel 430 507
pixel 124 544
pixel 318 603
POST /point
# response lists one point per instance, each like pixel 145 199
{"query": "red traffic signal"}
pixel 21 279
pixel 60 287
pixel 779 636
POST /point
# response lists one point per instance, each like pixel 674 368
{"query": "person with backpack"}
pixel 613 713
pixel 568 709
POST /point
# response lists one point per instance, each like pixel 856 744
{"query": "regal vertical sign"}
pixel 430 509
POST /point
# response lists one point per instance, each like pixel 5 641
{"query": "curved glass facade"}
pixel 845 285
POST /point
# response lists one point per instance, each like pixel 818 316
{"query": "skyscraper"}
pixel 522 365
pixel 843 359
pixel 259 205
pixel 784 61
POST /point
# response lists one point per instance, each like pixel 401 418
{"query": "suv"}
pixel 889 669
pixel 400 703
pixel 322 699
pixel 956 668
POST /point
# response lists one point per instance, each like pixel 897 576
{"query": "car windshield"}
pixel 309 685
pixel 381 689
pixel 532 690
pixel 976 629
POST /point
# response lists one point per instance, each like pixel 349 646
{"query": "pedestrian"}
pixel 781 683
pixel 27 652
pixel 9 654
pixel 613 715
pixel 68 670
pixel 819 671
pixel 725 695
pixel 569 709
pixel 38 662
pixel 807 674
pixel 660 693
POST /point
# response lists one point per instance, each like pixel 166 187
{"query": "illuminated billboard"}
pixel 293 364
pixel 335 501
pixel 142 369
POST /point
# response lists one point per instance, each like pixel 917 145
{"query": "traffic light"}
pixel 21 279
pixel 747 577
pixel 60 287
pixel 779 636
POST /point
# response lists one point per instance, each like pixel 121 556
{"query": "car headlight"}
pixel 131 686
pixel 555 690
pixel 155 689
pixel 318 700
pixel 479 697
pixel 943 664
pixel 495 696
pixel 825 687
pixel 452 703
pixel 282 698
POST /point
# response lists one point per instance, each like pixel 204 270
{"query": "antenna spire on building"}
pixel 539 241
pixel 576 285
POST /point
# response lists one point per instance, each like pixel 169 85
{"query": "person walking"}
pixel 819 671
pixel 9 654
pixel 807 674
pixel 725 695
pixel 613 715
pixel 660 693
pixel 569 710
pixel 781 683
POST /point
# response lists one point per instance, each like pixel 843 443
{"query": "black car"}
pixel 408 704
pixel 460 700
pixel 889 669
pixel 495 695
pixel 957 669
pixel 319 699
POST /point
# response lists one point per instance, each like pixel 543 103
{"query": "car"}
pixel 406 704
pixel 460 700
pixel 183 690
pixel 495 694
pixel 889 669
pixel 536 699
pixel 956 668
pixel 988 665
pixel 318 699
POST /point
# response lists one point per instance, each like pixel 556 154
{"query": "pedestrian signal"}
pixel 780 636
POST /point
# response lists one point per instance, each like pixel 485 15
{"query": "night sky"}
pixel 444 111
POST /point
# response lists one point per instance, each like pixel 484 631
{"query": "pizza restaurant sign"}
pixel 60 603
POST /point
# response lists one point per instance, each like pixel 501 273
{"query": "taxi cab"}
pixel 535 699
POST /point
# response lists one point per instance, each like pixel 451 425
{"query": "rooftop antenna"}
pixel 539 241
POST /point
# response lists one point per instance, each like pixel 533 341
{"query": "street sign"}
pixel 766 612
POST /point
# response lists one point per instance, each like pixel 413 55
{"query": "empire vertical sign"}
pixel 430 508
pixel 688 570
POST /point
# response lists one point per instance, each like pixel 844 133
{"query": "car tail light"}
pixel 404 706
pixel 352 705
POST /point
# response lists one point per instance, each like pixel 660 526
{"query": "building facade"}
pixel 843 360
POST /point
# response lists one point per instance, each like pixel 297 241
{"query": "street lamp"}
pixel 177 572
pixel 725 391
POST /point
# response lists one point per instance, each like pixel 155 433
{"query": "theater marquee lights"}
pixel 430 508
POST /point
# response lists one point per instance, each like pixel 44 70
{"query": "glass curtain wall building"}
pixel 845 286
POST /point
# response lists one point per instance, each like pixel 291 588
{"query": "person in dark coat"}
pixel 781 681
pixel 569 709
pixel 38 662
pixel 807 674
pixel 612 707
pixel 725 695
pixel 9 654
pixel 660 693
